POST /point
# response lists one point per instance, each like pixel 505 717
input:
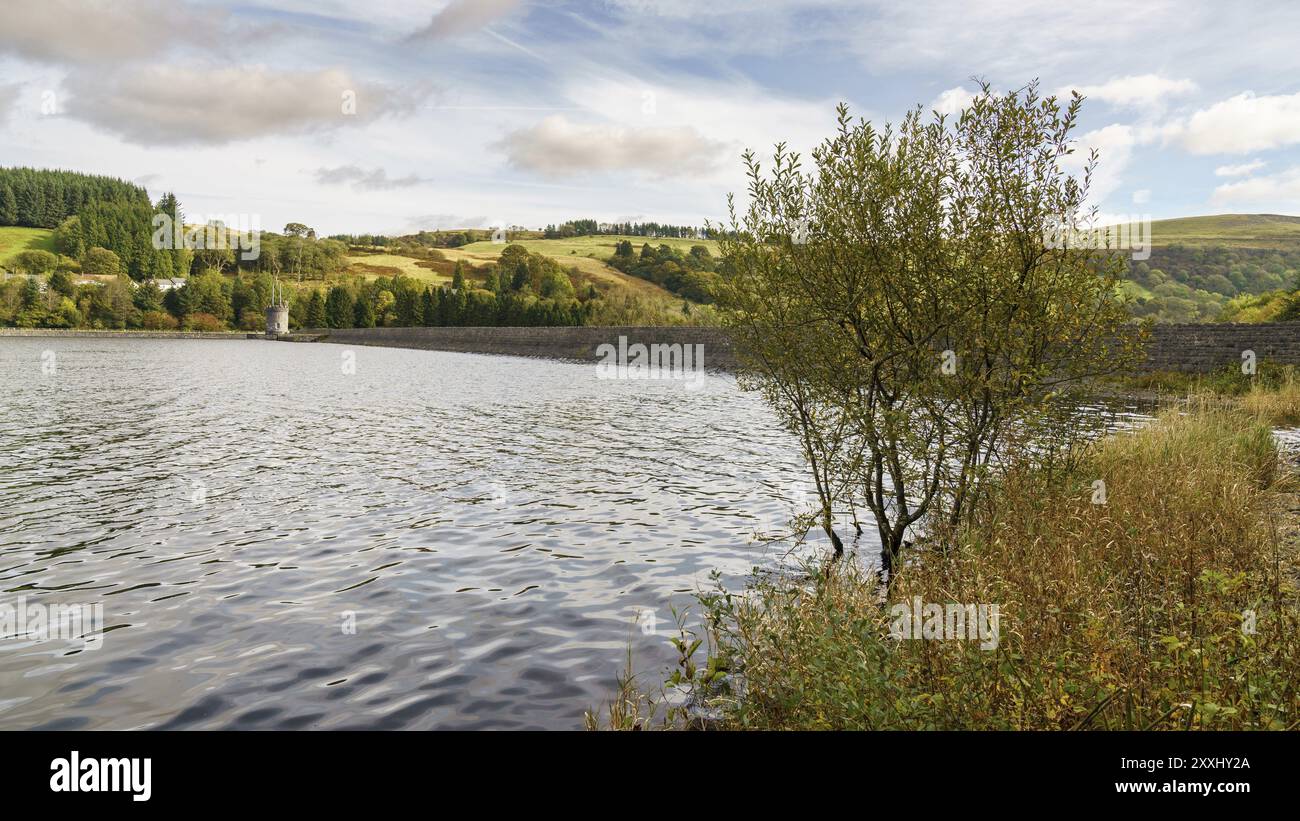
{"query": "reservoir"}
pixel 316 536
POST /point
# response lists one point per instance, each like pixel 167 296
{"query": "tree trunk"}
pixel 891 548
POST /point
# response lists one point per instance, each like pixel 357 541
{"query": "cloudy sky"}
pixel 395 115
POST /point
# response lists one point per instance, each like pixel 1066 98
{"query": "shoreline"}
pixel 582 343
pixel 821 651
pixel 561 343
pixel 1173 349
pixel 86 333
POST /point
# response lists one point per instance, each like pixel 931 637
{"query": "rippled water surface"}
pixel 493 524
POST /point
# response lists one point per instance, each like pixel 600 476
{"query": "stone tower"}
pixel 277 313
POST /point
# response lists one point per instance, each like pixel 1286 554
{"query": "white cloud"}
pixel 1134 91
pixel 102 32
pixel 737 113
pixel 1016 38
pixel 8 99
pixel 1269 191
pixel 164 104
pixel 1114 145
pixel 362 180
pixel 1012 38
pixel 952 101
pixel 558 147
pixel 1241 124
pixel 463 16
pixel 1242 170
pixel 443 222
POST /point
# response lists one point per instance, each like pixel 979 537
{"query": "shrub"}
pixel 101 261
pixel 1278 406
pixel 1170 605
pixel 252 321
pixel 158 321
pixel 204 322
pixel 35 262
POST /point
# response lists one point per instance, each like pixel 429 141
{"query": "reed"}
pixel 1154 587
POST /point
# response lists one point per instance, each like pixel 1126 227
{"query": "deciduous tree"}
pixel 902 308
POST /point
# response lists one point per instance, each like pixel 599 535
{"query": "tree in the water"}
pixel 903 309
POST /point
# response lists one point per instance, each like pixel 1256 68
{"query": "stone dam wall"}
pixel 552 343
pixel 1191 348
pixel 1208 347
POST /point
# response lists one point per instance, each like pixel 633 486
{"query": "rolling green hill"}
pixel 600 246
pixel 1258 231
pixel 15 240
pixel 1225 267
pixel 1201 269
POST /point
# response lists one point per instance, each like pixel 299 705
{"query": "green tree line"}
pixel 692 275
pixel 1204 283
pixel 36 198
pixel 590 227
pixel 520 289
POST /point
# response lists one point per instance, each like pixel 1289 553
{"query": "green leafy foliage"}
pixel 900 309
pixel 692 275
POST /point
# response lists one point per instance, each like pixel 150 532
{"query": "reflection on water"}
pixel 435 540
pixel 492 525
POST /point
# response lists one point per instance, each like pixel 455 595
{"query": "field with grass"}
pixel 587 255
pixel 596 247
pixel 629 299
pixel 1132 290
pixel 14 240
pixel 1257 231
pixel 373 266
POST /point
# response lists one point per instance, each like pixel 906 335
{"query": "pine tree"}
pixel 31 206
pixel 148 297
pixel 31 293
pixel 316 311
pixel 338 307
pixel 429 307
pixel 8 206
pixel 364 312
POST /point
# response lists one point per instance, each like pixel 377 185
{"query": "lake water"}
pixel 434 540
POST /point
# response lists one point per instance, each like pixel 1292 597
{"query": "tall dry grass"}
pixel 1134 613
pixel 1277 405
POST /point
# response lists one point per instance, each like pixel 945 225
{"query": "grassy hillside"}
pixel 1259 231
pixel 660 278
pixel 633 300
pixel 588 255
pixel 14 240
pixel 590 269
pixel 373 266
pixel 1227 267
pixel 598 247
